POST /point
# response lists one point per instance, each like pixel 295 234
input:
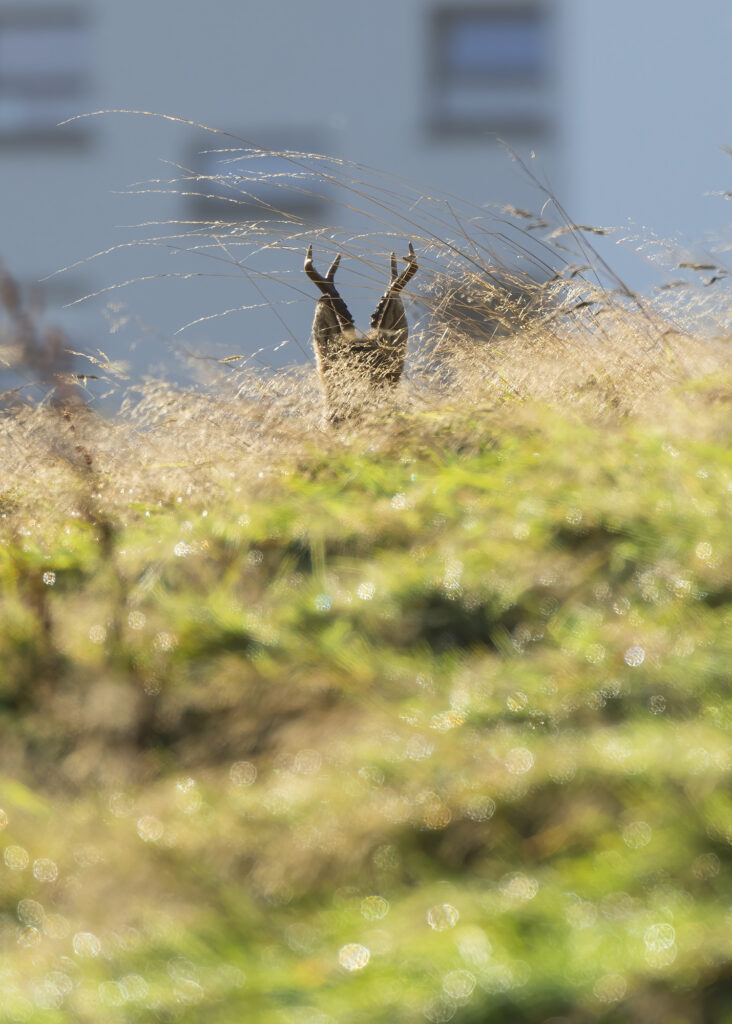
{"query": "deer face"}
pixel 354 368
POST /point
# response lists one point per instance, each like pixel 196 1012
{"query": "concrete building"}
pixel 624 104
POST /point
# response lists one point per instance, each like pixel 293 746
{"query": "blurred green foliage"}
pixel 433 728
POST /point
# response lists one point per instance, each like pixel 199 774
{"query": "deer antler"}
pixel 398 281
pixel 324 283
pixel 353 367
pixel 328 288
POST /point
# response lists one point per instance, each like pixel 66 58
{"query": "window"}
pixel 44 74
pixel 247 184
pixel 491 70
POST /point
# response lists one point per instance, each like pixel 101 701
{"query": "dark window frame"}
pixel 64 85
pixel 445 80
pixel 212 200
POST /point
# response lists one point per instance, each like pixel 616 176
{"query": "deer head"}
pixel 355 368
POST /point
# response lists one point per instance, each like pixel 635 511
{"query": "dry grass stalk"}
pixel 512 308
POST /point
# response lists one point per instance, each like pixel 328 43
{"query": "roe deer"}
pixel 355 369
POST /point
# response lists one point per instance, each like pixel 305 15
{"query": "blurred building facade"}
pixel 621 107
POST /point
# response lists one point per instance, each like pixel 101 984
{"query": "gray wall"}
pixel 641 91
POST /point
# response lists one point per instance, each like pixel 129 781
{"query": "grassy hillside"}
pixel 426 718
pixel 426 721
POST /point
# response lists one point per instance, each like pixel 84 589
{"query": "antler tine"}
pixel 328 288
pixel 324 283
pixel 407 274
pixel 332 269
pixel 309 268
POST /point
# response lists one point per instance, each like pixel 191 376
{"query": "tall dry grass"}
pixel 510 306
pixel 337 668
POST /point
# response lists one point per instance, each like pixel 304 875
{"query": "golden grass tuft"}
pixel 513 307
